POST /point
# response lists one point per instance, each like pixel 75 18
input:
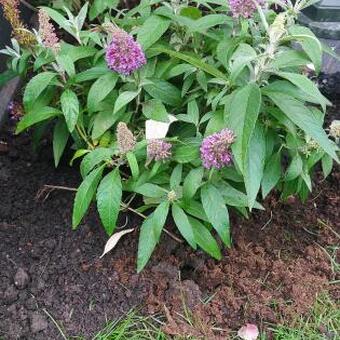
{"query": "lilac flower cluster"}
pixel 244 8
pixel 124 55
pixel 215 149
pixel 158 150
pixel 47 32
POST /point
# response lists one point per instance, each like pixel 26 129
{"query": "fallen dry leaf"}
pixel 113 240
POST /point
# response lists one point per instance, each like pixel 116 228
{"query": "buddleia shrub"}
pixel 186 109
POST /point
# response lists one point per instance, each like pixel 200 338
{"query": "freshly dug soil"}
pixel 275 270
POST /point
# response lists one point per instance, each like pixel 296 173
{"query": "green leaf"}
pixel 133 164
pixel 70 107
pixel 79 153
pixel 35 117
pixel 216 211
pixel 188 151
pixel 123 99
pixel 84 195
pixel 176 176
pixel 164 91
pixel 102 122
pixel 100 89
pixel 91 74
pixel 150 233
pixel 150 190
pixel 307 86
pixel 295 168
pixel 300 115
pixel 234 197
pixel 109 196
pixel 93 158
pixel 77 52
pixel 209 21
pixel 272 174
pixel 223 51
pixel 193 61
pixel 241 59
pixel 60 137
pixel 244 111
pixel 35 87
pixel 254 164
pixel 67 64
pixel 152 30
pixel 192 183
pixel 309 43
pixel 204 239
pixel 99 6
pixel 327 165
pixel 183 225
pixel 154 109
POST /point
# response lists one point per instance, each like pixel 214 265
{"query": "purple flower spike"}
pixel 244 8
pixel 159 150
pixel 124 55
pixel 215 149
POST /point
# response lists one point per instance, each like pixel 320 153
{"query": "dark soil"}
pixel 275 270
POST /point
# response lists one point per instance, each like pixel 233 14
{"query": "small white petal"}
pixel 248 332
pixel 311 67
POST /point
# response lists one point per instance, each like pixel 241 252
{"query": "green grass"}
pixel 322 323
pixel 132 327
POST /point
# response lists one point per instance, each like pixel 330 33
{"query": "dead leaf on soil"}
pixel 113 240
pixel 248 332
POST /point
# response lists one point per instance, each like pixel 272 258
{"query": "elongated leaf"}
pixel 36 86
pixel 234 197
pixel 150 233
pixel 244 111
pixel 295 168
pixel 204 239
pixel 272 174
pixel 102 122
pixel 154 109
pixel 183 225
pixel 133 164
pixel 94 158
pixel 91 74
pixel 300 115
pixel 192 183
pixel 254 164
pixel 309 43
pixel 307 86
pixel 109 196
pixel 164 91
pixel 150 190
pixel 100 89
pixel 152 30
pixel 193 61
pixel 216 211
pixel 70 107
pixel 123 99
pixel 60 137
pixel 176 176
pixel 35 117
pixel 84 195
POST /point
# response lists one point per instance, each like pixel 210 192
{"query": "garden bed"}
pixel 278 264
